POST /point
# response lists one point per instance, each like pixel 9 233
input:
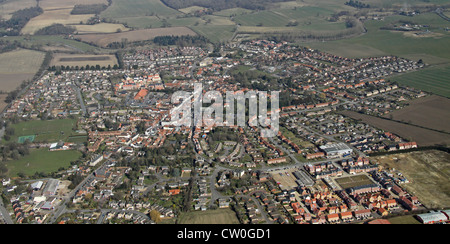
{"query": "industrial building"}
pixel 336 150
pixel 51 187
pixel 37 185
pixel 434 217
pixel 303 178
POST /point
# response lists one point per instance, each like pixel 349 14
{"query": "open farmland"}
pixel 220 216
pixel 139 13
pixel 192 9
pixel 215 34
pixel 81 60
pixel 57 12
pixel 378 41
pixel 434 80
pixel 430 112
pixel 53 42
pixel 100 28
pixel 428 173
pixel 26 64
pixel 11 6
pixel 56 16
pixel 137 35
pixel 58 4
pixel 3 104
pixel 423 137
pixel 133 8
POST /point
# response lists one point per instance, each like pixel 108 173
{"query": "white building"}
pixel 434 217
pixel 96 160
pixel 51 187
pixel 336 150
pixel 6 182
pixel 37 185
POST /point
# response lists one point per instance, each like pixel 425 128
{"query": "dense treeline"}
pixel 12 151
pixel 6 46
pixel 222 134
pixel 218 5
pixel 88 9
pixel 19 19
pixel 59 69
pixel 56 29
pixel 357 4
pixel 182 41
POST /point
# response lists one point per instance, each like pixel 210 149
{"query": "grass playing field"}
pixel 44 130
pixel 219 216
pixel 353 181
pixel 42 160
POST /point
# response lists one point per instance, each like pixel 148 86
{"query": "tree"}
pixel 155 216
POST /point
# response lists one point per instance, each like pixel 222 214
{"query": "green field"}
pixel 432 49
pixel 353 181
pixel 17 66
pixel 220 26
pixel 264 18
pixel 407 219
pixel 41 160
pixel 220 216
pixel 215 34
pixel 127 10
pixel 73 45
pixel 435 80
pixel 78 139
pixel 44 130
pixel 289 19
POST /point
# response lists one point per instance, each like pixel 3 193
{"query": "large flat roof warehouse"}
pixel 336 149
pixel 433 217
pixel 303 179
pixel 51 187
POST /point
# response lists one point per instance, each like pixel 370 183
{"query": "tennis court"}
pixel 29 138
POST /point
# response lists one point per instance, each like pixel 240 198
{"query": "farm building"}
pixel 434 217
